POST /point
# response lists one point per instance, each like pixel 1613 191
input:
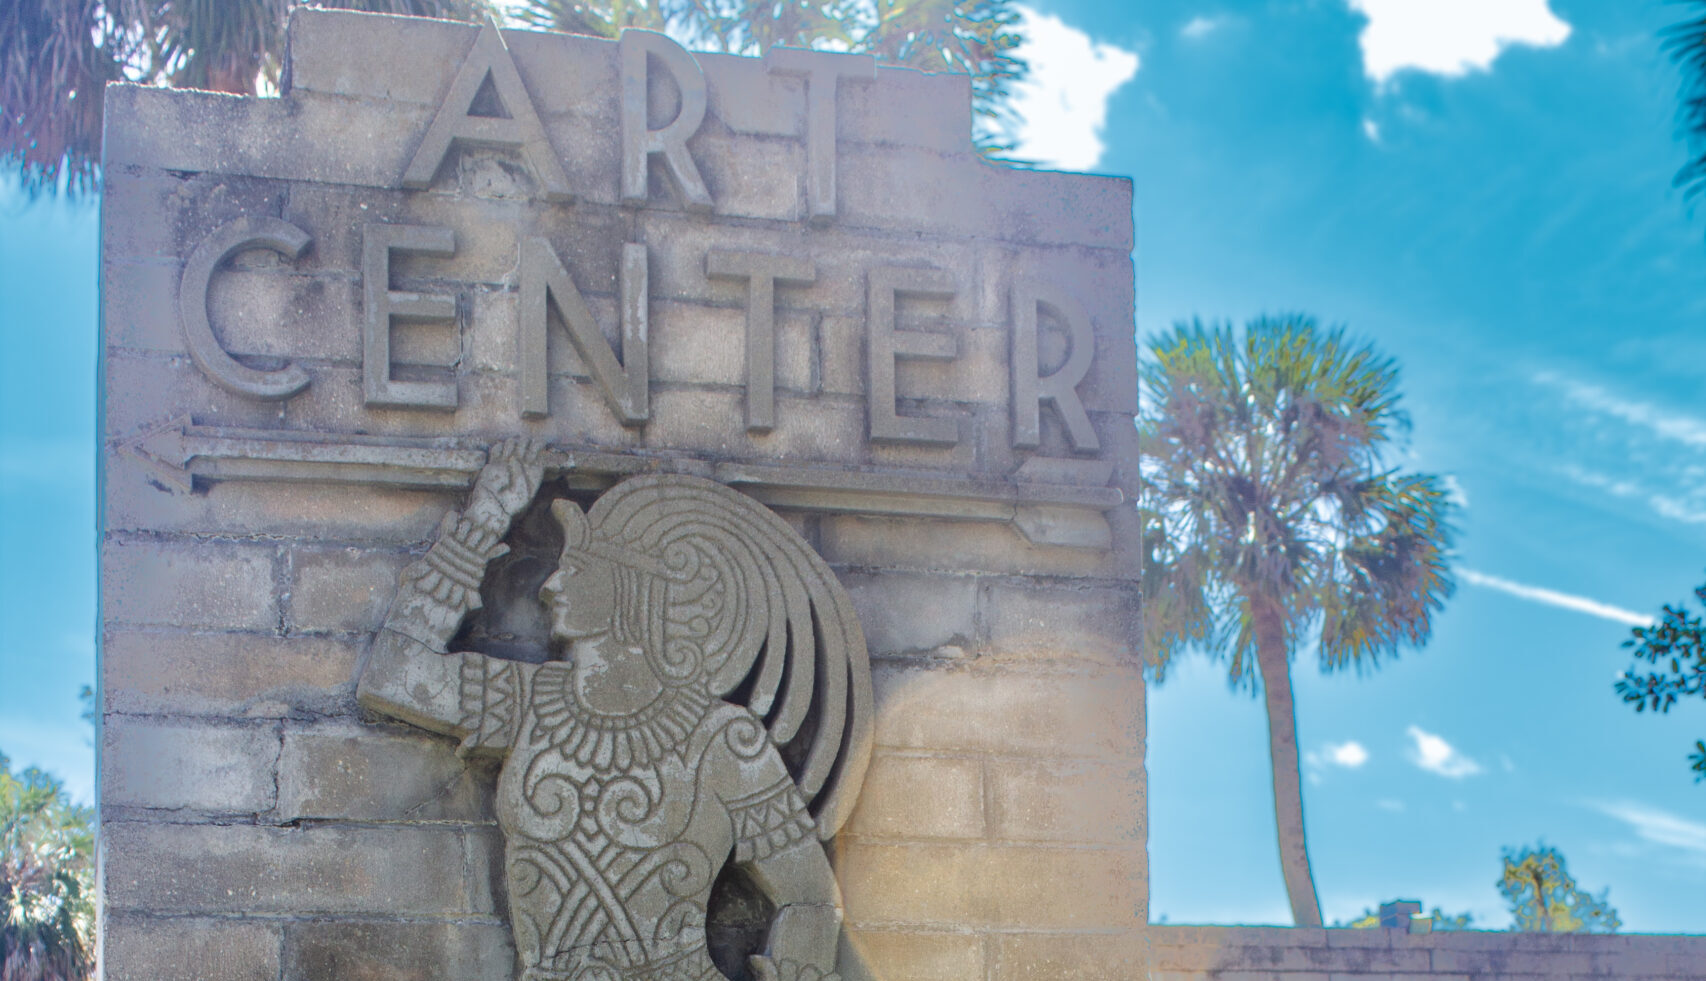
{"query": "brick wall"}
pixel 1202 953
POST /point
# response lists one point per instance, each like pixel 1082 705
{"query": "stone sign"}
pixel 578 510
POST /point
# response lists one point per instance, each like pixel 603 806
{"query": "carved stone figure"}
pixel 707 695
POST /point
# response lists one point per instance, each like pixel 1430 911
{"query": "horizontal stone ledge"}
pixel 1043 499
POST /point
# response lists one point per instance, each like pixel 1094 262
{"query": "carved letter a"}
pixel 489 58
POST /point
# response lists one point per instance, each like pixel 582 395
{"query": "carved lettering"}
pixel 762 273
pixel 544 282
pixel 383 306
pixel 489 60
pixel 886 345
pixel 209 355
pixel 823 72
pixel 639 140
pixel 1060 386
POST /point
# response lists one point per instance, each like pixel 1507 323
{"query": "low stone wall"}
pixel 1206 953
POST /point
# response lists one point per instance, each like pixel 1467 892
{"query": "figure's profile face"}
pixel 580 596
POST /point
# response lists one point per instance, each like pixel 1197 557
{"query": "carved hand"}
pixel 765 969
pixel 507 483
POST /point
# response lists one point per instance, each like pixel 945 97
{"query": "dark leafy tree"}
pixel 1544 898
pixel 979 38
pixel 1272 519
pixel 56 57
pixel 1676 649
pixel 47 910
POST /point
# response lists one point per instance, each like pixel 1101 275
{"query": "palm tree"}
pixel 1685 42
pixel 56 56
pixel 1269 513
pixel 47 908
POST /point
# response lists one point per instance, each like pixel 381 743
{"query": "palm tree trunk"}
pixel 1273 658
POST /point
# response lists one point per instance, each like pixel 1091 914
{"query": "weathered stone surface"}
pixel 895 955
pixel 199 868
pixel 344 589
pixel 152 948
pixel 970 885
pixel 355 772
pixel 906 614
pixel 1050 716
pixel 394 951
pixel 916 797
pixel 171 672
pixel 184 584
pixel 179 765
pixel 1051 623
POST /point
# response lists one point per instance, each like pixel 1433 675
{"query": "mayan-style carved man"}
pixel 697 643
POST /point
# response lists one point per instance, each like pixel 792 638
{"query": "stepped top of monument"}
pixel 358 90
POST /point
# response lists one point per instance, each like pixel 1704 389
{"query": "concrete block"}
pixel 915 614
pixel 323 511
pixel 183 868
pixel 304 138
pixel 395 951
pixel 706 345
pixel 714 422
pixel 346 589
pixel 188 765
pixel 906 107
pixel 904 543
pixel 235 675
pixel 1062 623
pixel 979 886
pixel 917 797
pixel 1090 716
pixel 1069 957
pixel 896 955
pixel 137 947
pixel 188 584
pixel 1066 801
pixel 368 773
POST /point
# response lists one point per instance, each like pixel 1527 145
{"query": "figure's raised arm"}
pixel 406 673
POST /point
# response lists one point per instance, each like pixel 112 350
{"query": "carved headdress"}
pixel 724 596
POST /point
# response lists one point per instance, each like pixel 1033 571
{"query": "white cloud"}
pixel 1435 755
pixel 1454 490
pixel 1350 754
pixel 1063 105
pixel 1200 27
pixel 1659 826
pixel 1371 129
pixel 1450 37
pixel 1678 427
pixel 1551 597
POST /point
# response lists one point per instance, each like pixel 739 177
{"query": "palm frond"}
pixel 1263 480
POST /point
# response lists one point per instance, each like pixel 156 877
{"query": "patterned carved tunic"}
pixel 616 826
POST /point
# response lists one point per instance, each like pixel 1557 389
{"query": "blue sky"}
pixel 1482 188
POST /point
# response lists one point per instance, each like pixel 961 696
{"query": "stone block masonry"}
pixel 791 275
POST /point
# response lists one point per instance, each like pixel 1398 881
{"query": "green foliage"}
pixel 1685 43
pixel 1676 647
pixel 47 909
pixel 1442 922
pixel 1544 898
pixel 56 57
pixel 1264 481
pixel 973 37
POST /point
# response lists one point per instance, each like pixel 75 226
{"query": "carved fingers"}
pixel 512 474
